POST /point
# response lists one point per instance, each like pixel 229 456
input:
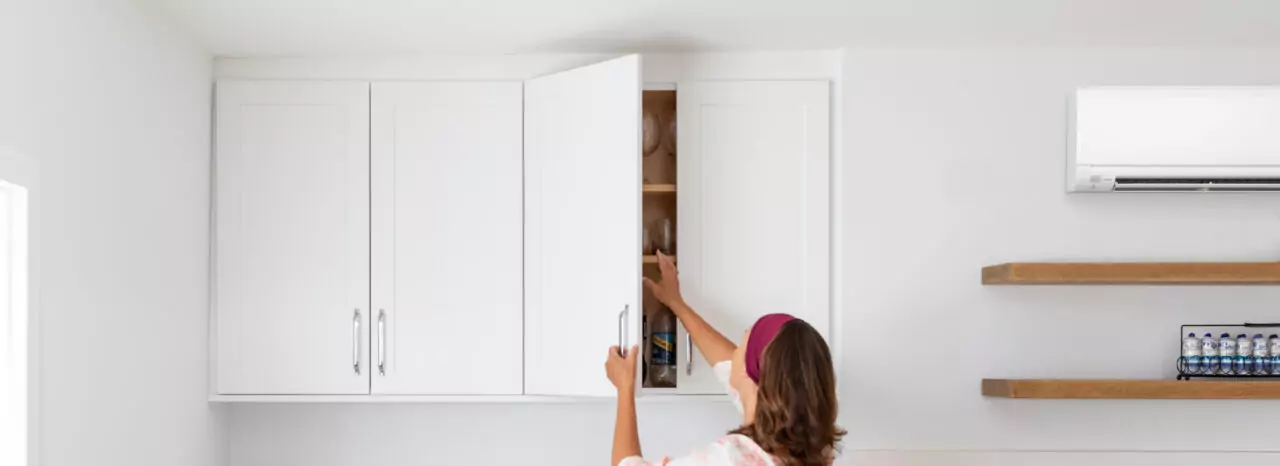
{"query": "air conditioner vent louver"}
pixel 1196 184
pixel 1225 181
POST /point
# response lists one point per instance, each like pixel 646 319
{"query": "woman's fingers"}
pixel 615 353
pixel 666 266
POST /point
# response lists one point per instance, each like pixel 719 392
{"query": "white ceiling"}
pixel 344 27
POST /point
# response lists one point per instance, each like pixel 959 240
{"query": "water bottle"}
pixel 663 357
pixel 1274 341
pixel 1226 354
pixel 1209 354
pixel 1244 355
pixel 1261 361
pixel 1191 354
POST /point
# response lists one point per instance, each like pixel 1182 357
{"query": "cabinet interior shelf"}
pixel 653 259
pixel 1132 273
pixel 659 188
pixel 1131 389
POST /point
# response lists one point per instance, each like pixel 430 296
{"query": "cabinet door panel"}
pixel 292 245
pixel 753 207
pixel 582 224
pixel 447 238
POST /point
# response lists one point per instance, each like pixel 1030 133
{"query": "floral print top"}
pixel 732 450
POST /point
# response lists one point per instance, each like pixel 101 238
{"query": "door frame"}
pixel 22 170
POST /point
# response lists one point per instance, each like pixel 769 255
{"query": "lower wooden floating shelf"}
pixel 1131 389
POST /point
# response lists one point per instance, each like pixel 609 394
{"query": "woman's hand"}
pixel 667 291
pixel 714 346
pixel 622 370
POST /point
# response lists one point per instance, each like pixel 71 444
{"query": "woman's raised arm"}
pixel 714 346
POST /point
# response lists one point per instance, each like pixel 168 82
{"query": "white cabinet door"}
pixel 582 225
pixel 753 208
pixel 447 238
pixel 292 238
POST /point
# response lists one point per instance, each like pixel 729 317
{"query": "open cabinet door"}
pixel 582 225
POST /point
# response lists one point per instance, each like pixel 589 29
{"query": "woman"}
pixel 781 379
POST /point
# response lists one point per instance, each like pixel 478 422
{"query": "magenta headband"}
pixel 761 334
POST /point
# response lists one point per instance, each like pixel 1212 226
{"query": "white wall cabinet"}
pixel 484 240
pixel 447 280
pixel 753 206
pixel 292 238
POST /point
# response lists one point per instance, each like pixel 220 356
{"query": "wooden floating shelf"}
pixel 1130 389
pixel 653 259
pixel 1132 273
pixel 659 188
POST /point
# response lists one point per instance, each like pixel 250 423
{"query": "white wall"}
pixel 114 108
pixel 955 160
pixel 496 434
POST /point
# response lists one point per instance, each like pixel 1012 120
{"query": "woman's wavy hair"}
pixel 795 418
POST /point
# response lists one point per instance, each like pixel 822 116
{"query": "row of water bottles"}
pixel 1242 356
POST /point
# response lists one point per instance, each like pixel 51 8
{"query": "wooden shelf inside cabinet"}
pixel 653 259
pixel 1130 389
pixel 659 188
pixel 1132 273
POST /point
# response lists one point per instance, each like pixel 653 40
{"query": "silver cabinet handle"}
pixel 355 342
pixel 622 321
pixel 382 342
pixel 688 358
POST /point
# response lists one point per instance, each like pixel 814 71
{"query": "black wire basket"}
pixel 1250 367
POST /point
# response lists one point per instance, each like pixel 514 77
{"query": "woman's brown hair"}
pixel 795 418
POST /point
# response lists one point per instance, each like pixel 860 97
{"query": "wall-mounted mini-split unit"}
pixel 1175 139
